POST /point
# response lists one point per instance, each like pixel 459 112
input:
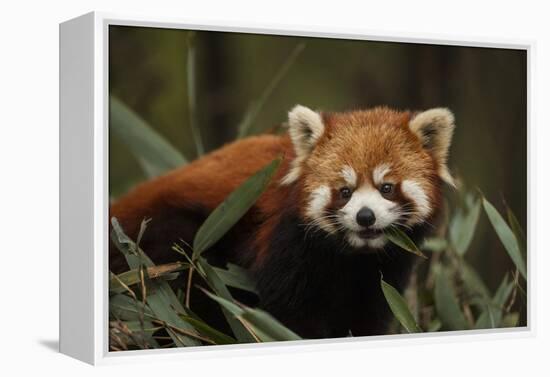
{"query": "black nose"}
pixel 365 217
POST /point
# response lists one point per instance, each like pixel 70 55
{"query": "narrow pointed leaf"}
pixel 153 152
pixel 398 237
pixel 434 244
pixel 475 287
pixel 160 298
pixel 463 224
pixel 518 231
pixel 510 320
pixel 216 336
pixel 506 236
pixel 264 326
pixel 233 208
pixel 399 308
pixel 131 277
pixel 127 309
pixel 491 316
pixel 246 125
pixel 446 302
pixel 217 285
pixel 236 277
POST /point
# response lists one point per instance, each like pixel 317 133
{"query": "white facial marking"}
pixel 349 175
pixel 319 199
pixel 355 241
pixel 371 198
pixel 417 195
pixel 373 243
pixel 379 172
pixel 378 242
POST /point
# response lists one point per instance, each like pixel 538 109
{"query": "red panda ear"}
pixel 435 129
pixel 305 127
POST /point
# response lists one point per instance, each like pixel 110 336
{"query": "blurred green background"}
pixel 484 87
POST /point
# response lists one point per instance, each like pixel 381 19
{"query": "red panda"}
pixel 315 239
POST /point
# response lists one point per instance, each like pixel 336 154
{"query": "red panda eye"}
pixel 386 188
pixel 345 193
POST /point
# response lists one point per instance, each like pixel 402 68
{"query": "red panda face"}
pixel 362 172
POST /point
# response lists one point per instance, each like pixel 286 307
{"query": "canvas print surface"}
pixel 273 188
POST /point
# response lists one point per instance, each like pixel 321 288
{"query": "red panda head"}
pixel 363 171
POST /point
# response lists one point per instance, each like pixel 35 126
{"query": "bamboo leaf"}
pixel 233 208
pixel 131 277
pixel 153 152
pixel 491 317
pixel 398 237
pixel 217 285
pixel 503 292
pixel 236 277
pixel 216 336
pixel 127 309
pixel 263 325
pixel 256 106
pixel 266 327
pixel 134 333
pixel 518 231
pixel 399 308
pixel 160 298
pixel 446 302
pixel 506 236
pixel 474 285
pixel 434 244
pixel 463 224
pixel 510 320
pixel 435 325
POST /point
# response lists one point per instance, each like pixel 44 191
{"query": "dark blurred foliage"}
pixel 484 87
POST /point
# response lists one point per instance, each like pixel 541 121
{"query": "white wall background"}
pixel 29 184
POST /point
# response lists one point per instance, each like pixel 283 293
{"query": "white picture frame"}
pixel 84 191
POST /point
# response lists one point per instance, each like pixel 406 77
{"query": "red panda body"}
pixel 314 239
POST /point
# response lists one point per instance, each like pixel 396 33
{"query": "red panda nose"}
pixel 365 217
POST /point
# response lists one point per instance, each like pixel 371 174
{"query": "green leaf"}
pixel 237 277
pixel 491 317
pixel 518 231
pixel 399 308
pixel 127 309
pixel 474 285
pixel 153 152
pixel 208 331
pixel 463 224
pixel 434 244
pixel 398 237
pixel 131 277
pixel 506 236
pixel 503 292
pixel 217 285
pixel 510 320
pixel 136 333
pixel 233 208
pixel 135 326
pixel 446 302
pixel 256 106
pixel 263 325
pixel 266 327
pixel 435 325
pixel 160 297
